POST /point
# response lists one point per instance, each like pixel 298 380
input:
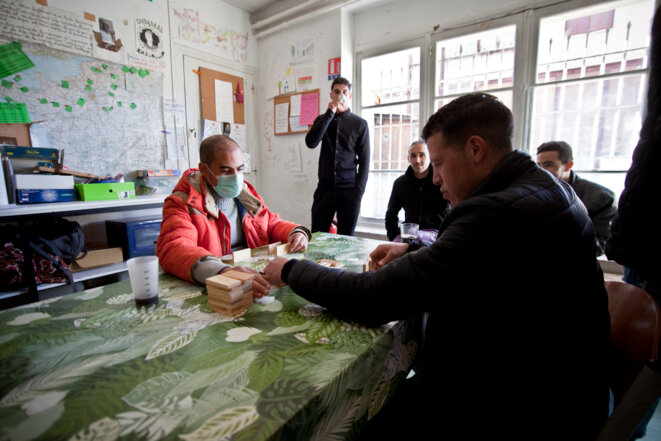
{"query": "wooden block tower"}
pixel 230 293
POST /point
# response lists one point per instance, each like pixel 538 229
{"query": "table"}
pixel 92 365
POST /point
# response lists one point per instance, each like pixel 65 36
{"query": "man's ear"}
pixel 477 148
pixel 568 165
pixel 207 174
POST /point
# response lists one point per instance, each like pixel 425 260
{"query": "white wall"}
pixel 288 168
pixel 221 29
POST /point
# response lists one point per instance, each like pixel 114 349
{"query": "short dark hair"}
pixel 213 143
pixel 472 114
pixel 564 150
pixel 341 80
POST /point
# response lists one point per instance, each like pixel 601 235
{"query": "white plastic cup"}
pixel 143 273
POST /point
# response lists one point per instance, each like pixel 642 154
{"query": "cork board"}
pixel 289 99
pixel 208 94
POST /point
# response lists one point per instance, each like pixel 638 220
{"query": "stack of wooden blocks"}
pixel 230 293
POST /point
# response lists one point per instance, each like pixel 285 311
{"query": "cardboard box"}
pixel 47 153
pixel 15 134
pixel 96 258
pixel 107 191
pixel 34 181
pixel 38 196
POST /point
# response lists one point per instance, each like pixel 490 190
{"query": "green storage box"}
pixel 99 192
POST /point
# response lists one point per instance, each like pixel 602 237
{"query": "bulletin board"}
pixel 208 79
pixel 309 100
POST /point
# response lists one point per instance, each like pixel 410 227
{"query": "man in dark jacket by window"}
pixel 507 354
pixel 417 194
pixel 343 162
pixel 556 157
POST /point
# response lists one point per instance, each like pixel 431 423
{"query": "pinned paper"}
pixel 65 84
pixel 68 108
pixel 309 108
pixel 13 59
pixel 282 118
pixel 80 102
pixel 7 84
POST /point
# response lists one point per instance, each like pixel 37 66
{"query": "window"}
pixel 590 83
pixel 568 72
pixel 390 94
pixel 482 61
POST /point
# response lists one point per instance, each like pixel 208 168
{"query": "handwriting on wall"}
pixel 55 28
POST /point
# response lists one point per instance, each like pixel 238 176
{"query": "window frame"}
pixel 527 24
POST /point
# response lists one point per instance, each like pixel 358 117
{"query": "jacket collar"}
pixel 410 174
pixel 514 165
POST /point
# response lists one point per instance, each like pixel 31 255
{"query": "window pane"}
pixel 391 77
pixel 480 61
pixel 603 39
pixel 392 130
pixel 504 95
pixel 599 118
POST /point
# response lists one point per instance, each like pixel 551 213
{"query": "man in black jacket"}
pixel 416 193
pixel 509 353
pixel 343 162
pixel 556 157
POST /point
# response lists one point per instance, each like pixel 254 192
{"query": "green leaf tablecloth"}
pixel 93 366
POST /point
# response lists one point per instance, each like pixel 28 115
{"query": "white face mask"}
pixel 229 186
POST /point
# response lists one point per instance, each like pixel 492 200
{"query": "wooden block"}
pixel 239 275
pixel 273 247
pixel 367 266
pixel 222 282
pixel 283 249
pixel 231 309
pixel 241 255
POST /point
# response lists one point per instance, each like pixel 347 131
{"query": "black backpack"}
pixel 59 237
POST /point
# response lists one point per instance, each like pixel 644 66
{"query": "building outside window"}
pixel 585 83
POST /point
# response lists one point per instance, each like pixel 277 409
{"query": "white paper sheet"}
pixel 295 105
pixel 281 117
pixel 224 101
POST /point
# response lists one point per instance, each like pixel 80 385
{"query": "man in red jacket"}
pixel 212 211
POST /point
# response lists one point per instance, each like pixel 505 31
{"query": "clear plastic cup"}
pixel 408 232
pixel 143 273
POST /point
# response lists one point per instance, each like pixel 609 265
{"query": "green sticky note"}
pixel 17 78
pixel 13 59
pixel 68 108
pixel 125 68
pixel 95 69
pixel 43 101
pixel 7 84
pixel 13 113
pixel 111 94
pixel 105 109
pixel 141 73
pixel 134 69
pixel 113 86
pixel 65 84
pixel 133 106
pixel 105 66
pixel 90 81
pixel 80 102
pixel 24 89
pixel 119 103
pixel 8 99
pixel 88 88
pixel 111 107
pixel 113 76
pixel 55 104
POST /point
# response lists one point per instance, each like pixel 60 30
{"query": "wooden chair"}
pixel 636 382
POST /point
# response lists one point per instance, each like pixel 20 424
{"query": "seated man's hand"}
pixel 298 242
pixel 386 253
pixel 260 286
pixel 274 269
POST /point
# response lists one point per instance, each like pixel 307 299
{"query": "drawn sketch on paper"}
pixel 149 38
pixel 302 51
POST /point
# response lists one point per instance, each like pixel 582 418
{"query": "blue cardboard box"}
pixel 38 196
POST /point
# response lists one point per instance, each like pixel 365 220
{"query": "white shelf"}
pixel 80 206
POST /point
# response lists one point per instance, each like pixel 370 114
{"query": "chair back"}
pixel 635 332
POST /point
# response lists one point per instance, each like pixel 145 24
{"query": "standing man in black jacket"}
pixel 417 194
pixel 343 162
pixel 500 336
